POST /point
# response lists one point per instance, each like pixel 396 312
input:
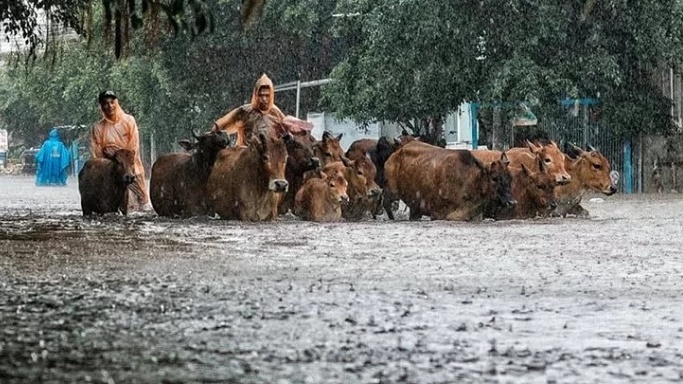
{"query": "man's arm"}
pixel 228 123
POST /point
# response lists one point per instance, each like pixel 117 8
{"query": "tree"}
pixel 419 59
pixel 192 16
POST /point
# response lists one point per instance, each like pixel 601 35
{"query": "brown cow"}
pixel 329 149
pixel 247 183
pixel 549 153
pixel 178 183
pixel 300 160
pixel 362 190
pixel 103 183
pixel 533 191
pixel 321 198
pixel 378 151
pixel 590 171
pixel 446 184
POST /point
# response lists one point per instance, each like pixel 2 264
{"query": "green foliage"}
pixel 416 59
pixel 184 82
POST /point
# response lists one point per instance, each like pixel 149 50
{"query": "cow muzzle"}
pixel 344 199
pixel 129 179
pixel 563 179
pixel 279 185
pixel 314 163
pixel 610 191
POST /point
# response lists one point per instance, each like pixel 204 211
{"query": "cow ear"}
pixel 326 136
pixel 340 136
pixel 504 158
pixel 185 144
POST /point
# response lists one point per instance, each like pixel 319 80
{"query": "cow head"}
pixel 273 158
pixel 539 185
pixel 365 169
pixel 125 162
pixel 337 186
pixel 385 147
pixel 300 154
pixel 553 158
pixel 329 149
pixel 207 147
pixel 501 180
pixel 593 170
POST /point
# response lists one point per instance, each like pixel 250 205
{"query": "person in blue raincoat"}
pixel 52 161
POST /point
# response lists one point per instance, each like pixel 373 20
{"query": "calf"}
pixel 590 171
pixel 362 190
pixel 178 183
pixel 533 191
pixel 321 198
pixel 103 183
pixel 247 183
pixel 446 184
pixel 378 151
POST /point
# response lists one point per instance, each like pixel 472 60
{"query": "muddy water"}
pixel 148 300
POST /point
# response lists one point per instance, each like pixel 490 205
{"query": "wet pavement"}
pixel 141 299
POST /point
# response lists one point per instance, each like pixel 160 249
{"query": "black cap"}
pixel 105 94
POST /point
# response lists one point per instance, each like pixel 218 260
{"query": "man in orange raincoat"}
pixel 118 130
pixel 263 102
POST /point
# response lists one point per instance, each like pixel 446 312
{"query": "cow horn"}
pixel 591 148
pixel 194 134
pixel 504 158
pixel 576 147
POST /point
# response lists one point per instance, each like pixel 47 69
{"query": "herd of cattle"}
pixel 315 180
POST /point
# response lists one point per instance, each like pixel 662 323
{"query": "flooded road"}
pixel 141 299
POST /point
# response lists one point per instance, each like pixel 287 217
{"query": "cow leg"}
pixel 415 214
pixel 578 210
pixel 123 207
pixel 387 202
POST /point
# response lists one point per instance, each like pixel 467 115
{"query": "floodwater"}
pixel 141 299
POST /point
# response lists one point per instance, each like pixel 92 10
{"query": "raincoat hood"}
pixel 54 134
pixel 118 112
pixel 263 81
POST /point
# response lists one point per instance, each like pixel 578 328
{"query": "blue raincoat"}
pixel 52 161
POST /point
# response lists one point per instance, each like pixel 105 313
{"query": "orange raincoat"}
pixel 233 122
pixel 120 133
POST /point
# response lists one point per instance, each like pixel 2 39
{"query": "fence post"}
pixel 474 124
pixel 628 171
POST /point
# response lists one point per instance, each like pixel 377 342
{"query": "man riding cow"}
pixel 262 104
